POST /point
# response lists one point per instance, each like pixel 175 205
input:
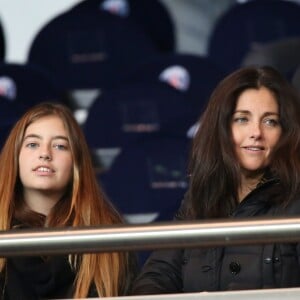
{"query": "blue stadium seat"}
pixel 10 112
pixel 149 15
pixel 296 78
pixel 148 178
pixel 282 54
pixel 193 75
pixel 27 84
pixel 90 49
pixel 244 25
pixel 133 111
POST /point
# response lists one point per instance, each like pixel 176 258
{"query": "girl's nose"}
pixel 45 157
pixel 45 153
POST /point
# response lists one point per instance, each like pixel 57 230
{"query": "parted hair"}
pixel 84 203
pixel 214 169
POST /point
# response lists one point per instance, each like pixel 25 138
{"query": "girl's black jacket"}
pixel 38 277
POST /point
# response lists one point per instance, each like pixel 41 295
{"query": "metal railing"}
pixel 149 236
pixel 272 294
pixel 160 236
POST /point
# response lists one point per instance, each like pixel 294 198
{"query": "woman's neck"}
pixel 249 182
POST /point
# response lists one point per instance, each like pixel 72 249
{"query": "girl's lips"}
pixel 43 170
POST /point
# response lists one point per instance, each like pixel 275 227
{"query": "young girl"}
pixel 47 180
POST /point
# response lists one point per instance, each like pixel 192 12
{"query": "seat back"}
pixel 27 84
pixel 134 111
pixel 283 55
pixel 296 78
pixel 150 15
pixel 90 49
pixel 246 24
pixel 147 181
pixel 192 75
pixel 10 112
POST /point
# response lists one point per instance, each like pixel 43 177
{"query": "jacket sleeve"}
pixel 162 272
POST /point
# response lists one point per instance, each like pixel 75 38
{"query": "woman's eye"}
pixel 240 120
pixel 271 122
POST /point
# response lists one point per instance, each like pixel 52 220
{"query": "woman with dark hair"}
pixel 47 180
pixel 245 162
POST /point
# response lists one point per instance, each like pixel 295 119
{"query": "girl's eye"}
pixel 60 147
pixel 32 145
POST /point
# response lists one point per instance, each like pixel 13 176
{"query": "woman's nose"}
pixel 255 132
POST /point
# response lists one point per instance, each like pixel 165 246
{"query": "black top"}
pixel 37 278
pixel 232 267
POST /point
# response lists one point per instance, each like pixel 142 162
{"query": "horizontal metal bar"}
pixel 150 236
pixel 265 294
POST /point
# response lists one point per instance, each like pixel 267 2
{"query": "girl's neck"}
pixel 41 202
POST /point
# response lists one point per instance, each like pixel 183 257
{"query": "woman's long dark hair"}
pixel 215 171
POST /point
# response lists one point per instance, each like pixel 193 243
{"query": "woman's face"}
pixel 45 159
pixel 256 128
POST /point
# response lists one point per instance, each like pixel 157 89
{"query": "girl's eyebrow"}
pixel 32 136
pixel 57 137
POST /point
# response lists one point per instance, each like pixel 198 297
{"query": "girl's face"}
pixel 255 128
pixel 45 160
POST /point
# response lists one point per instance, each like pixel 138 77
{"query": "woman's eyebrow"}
pixel 267 113
pixel 242 111
pixel 271 113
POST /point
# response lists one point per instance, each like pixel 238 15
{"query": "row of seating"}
pixel 116 62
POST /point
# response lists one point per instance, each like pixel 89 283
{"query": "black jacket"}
pixel 37 277
pixel 30 278
pixel 228 268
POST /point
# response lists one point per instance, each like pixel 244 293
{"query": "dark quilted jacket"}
pixel 228 268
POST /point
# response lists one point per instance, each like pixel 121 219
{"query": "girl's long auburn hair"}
pixel 214 168
pixel 84 205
